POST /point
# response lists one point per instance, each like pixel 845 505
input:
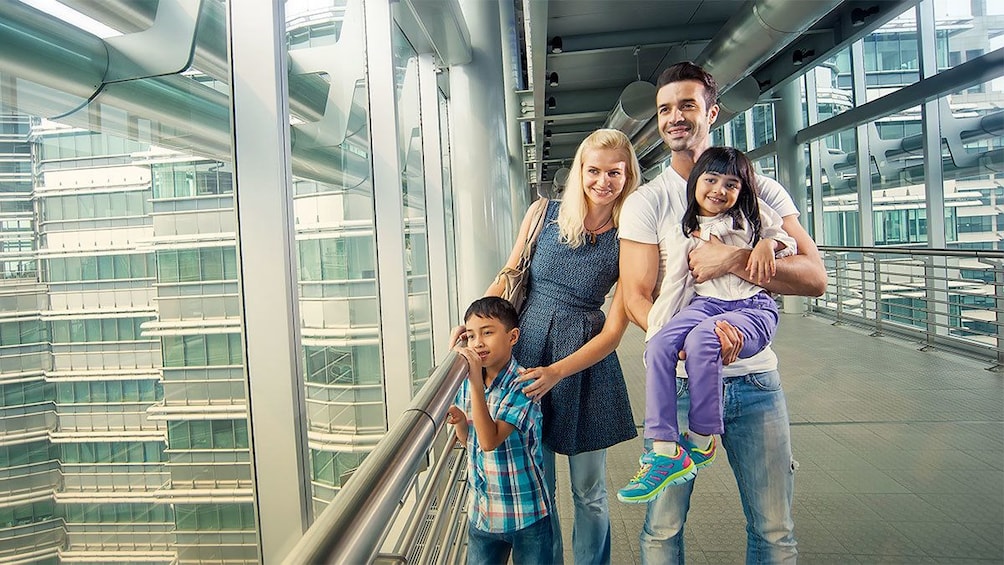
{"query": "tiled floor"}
pixel 901 456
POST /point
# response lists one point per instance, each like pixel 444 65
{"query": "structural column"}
pixel 791 161
pixel 483 204
pixel 271 325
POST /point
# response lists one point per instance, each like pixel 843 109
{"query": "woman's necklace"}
pixel 592 232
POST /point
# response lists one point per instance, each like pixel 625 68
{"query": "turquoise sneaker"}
pixel 701 457
pixel 658 472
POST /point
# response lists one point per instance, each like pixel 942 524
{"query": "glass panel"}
pixel 413 200
pixel 971 159
pixel 126 216
pixel 334 209
pixel 834 94
pixel 841 214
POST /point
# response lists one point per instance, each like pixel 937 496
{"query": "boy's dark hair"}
pixel 687 70
pixel 494 307
pixel 725 161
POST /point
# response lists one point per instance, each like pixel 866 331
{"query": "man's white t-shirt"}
pixel 653 214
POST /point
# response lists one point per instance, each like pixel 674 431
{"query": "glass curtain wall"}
pixel 122 389
pixel 124 431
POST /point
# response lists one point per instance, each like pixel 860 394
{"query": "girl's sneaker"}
pixel 658 472
pixel 701 457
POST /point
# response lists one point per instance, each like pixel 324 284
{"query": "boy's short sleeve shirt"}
pixel 508 490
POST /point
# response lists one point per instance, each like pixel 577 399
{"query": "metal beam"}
pixel 975 71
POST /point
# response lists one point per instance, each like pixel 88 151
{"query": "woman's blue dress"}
pixel 588 410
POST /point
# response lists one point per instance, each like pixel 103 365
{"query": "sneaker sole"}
pixel 682 477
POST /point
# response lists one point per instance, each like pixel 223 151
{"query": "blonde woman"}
pixel 566 341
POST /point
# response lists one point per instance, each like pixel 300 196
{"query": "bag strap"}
pixel 535 228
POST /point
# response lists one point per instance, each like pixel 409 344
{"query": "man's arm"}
pixel 801 274
pixel 639 270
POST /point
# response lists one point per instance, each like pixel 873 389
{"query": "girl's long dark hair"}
pixel 725 161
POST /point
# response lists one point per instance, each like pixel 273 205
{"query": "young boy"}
pixel 501 427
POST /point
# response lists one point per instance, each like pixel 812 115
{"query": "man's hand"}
pixel 731 340
pixel 541 379
pixel 713 259
pixel 761 267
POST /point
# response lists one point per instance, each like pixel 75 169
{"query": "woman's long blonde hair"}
pixel 573 201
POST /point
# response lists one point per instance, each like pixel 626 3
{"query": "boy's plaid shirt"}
pixel 508 491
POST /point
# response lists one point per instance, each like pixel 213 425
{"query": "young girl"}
pixel 722 202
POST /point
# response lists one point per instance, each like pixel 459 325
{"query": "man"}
pixel 654 270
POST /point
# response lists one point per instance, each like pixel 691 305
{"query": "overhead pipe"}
pixel 185 115
pixel 634 107
pixel 759 30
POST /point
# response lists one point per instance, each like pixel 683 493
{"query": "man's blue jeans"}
pixel 758 442
pixel 591 529
pixel 529 546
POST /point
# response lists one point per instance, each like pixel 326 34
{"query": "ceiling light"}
pixel 552 79
pixel 551 103
pixel 556 44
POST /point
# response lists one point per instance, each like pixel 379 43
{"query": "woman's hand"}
pixel 541 379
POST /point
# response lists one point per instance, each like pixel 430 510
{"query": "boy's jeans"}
pixel 758 443
pixel 529 546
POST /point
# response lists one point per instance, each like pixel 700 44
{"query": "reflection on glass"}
pixel 451 241
pixel 973 167
pixel 899 199
pixel 833 85
pixel 413 201
pixel 335 239
pixel 841 215
pixel 121 359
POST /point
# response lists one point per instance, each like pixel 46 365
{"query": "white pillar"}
pixel 791 160
pixel 482 206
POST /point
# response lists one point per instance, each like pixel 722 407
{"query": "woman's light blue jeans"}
pixel 758 442
pixel 591 529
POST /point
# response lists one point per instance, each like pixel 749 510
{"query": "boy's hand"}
pixel 457 334
pixel 761 265
pixel 473 364
pixel 455 416
pixel 458 419
pixel 541 381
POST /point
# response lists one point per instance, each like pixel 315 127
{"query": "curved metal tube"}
pixel 635 106
pixel 757 32
pixel 352 527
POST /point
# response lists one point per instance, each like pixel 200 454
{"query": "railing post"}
pixel 877 272
pixel 936 297
pixel 838 276
pixel 999 293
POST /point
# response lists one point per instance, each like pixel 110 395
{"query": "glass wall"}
pixel 122 357
pixel 126 434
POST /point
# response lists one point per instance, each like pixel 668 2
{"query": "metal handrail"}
pixel 918 251
pixel 352 528
pixel 910 291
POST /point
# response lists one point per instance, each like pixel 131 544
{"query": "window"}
pixel 208 434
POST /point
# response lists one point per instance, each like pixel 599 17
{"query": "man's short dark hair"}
pixel 687 70
pixel 494 307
